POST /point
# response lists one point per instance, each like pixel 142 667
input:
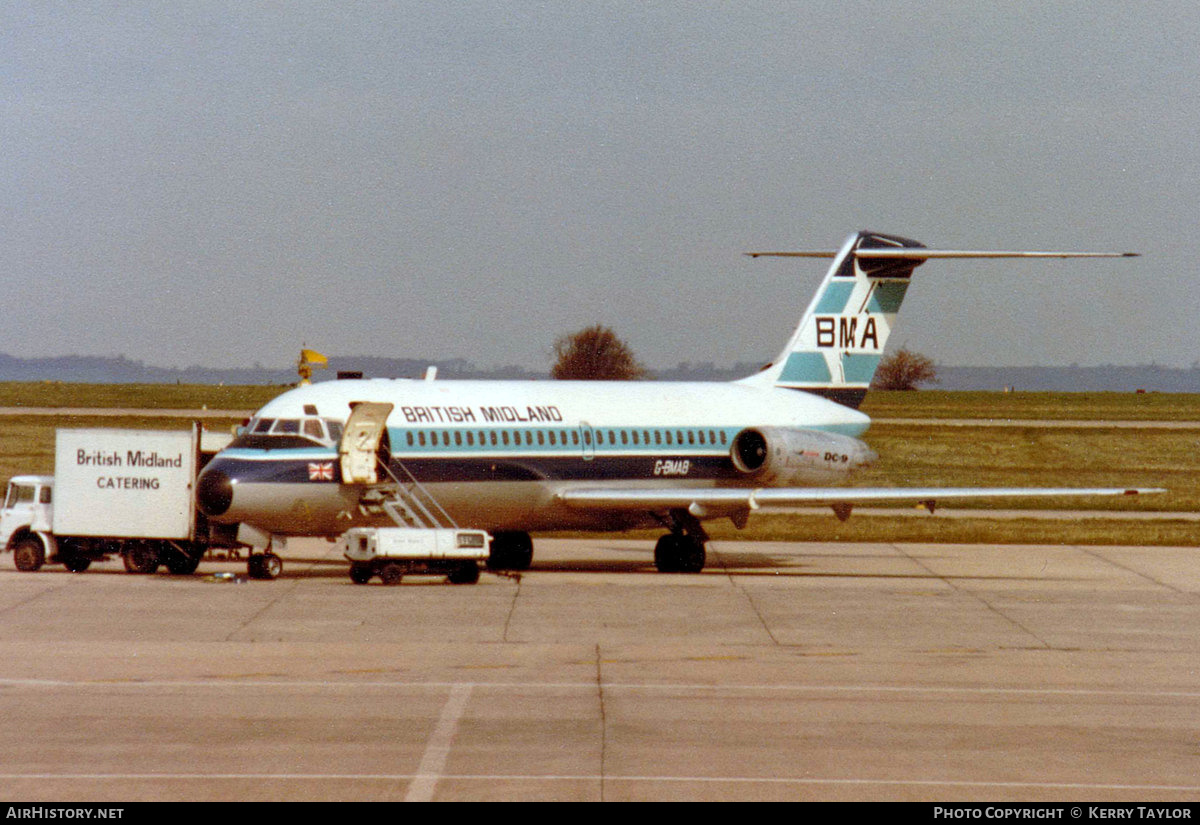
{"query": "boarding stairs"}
pixel 405 500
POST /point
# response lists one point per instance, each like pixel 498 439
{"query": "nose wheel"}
pixel 264 566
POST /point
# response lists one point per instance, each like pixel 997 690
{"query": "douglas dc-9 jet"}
pixel 518 456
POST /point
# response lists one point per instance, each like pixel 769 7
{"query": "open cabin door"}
pixel 359 447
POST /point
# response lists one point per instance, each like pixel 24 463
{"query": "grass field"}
pixel 918 454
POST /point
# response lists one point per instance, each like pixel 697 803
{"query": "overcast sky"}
pixel 219 183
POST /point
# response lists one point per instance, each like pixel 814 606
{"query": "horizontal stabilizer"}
pixel 921 254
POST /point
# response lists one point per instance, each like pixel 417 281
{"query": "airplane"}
pixel 513 457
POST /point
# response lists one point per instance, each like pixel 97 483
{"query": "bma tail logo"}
pixel 842 332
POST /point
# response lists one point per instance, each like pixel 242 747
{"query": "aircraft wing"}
pixel 712 501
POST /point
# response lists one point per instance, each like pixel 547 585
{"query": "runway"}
pixel 785 671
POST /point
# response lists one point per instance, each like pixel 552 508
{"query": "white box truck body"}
pixel 113 492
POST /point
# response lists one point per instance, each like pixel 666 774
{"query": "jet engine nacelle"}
pixel 780 456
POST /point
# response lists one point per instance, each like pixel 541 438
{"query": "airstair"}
pixel 405 500
pixel 400 496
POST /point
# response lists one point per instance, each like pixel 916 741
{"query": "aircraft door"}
pixel 359 447
pixel 587 440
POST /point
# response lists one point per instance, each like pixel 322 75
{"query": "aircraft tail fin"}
pixel 840 340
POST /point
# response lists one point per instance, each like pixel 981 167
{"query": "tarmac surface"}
pixel 784 671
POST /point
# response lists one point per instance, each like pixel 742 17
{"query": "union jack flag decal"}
pixel 320 471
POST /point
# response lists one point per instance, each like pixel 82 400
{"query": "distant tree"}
pixel 904 370
pixel 595 354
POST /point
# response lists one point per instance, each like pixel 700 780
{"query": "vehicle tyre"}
pixel 692 555
pixel 141 557
pixel 272 566
pixel 29 555
pixel 75 562
pixel 391 573
pixel 466 573
pixel 254 566
pixel 510 551
pixel 182 564
pixel 361 573
pixel 666 553
pixel 679 554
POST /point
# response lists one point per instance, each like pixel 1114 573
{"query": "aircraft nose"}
pixel 214 492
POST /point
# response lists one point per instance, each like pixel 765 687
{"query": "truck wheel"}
pixel 76 563
pixel 361 573
pixel 467 573
pixel 141 557
pixel 181 564
pixel 28 555
pixel 391 573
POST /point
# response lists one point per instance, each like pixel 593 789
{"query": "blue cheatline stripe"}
pixel 807 368
pixel 886 296
pixel 858 368
pixel 835 297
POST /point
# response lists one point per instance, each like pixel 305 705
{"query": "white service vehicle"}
pixel 394 552
pixel 115 492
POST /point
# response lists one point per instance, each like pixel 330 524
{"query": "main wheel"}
pixel 679 554
pixel 141 557
pixel 510 551
pixel 29 555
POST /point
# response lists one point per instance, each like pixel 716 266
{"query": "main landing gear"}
pixel 681 550
pixel 511 550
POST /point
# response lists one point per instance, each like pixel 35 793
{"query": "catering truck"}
pixel 114 492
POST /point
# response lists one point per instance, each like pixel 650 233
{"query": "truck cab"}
pixel 26 521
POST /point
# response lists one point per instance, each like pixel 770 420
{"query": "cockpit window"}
pixel 282 433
